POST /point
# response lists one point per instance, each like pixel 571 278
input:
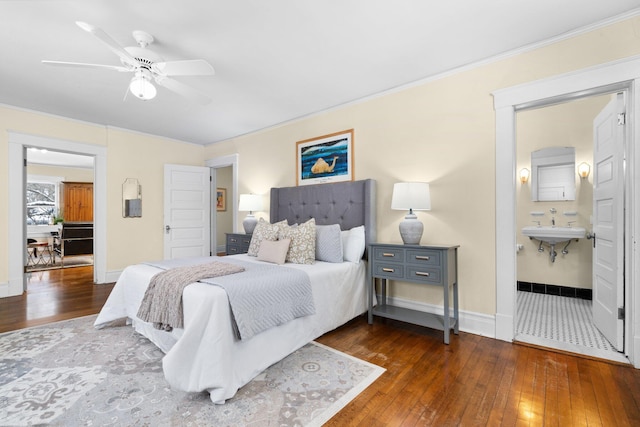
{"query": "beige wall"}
pixel 129 155
pixel 564 125
pixel 67 174
pixel 442 131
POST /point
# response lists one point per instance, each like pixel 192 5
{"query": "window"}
pixel 42 200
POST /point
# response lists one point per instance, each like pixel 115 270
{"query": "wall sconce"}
pixel 524 175
pixel 584 169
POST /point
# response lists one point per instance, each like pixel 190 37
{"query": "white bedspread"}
pixel 206 355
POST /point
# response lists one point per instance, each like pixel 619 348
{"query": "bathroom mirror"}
pixel 131 199
pixel 553 175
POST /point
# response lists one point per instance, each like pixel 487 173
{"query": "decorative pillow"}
pixel 353 244
pixel 274 252
pixel 302 249
pixel 264 231
pixel 328 243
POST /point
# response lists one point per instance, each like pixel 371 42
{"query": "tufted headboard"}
pixel 349 204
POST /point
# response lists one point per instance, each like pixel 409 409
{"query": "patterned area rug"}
pixel 70 374
pixel 69 261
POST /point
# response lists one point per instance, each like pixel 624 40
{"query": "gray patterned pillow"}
pixel 264 231
pixel 328 243
pixel 302 249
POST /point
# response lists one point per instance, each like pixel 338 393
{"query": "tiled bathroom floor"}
pixel 563 323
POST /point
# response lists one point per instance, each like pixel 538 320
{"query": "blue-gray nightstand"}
pixel 237 243
pixel 429 265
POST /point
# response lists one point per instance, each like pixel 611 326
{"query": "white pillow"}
pixel 274 251
pixel 353 244
pixel 328 243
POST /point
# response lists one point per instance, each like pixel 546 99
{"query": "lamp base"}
pixel 411 230
pixel 249 224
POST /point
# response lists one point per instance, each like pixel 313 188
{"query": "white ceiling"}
pixel 275 60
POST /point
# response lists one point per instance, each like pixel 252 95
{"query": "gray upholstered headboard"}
pixel 349 204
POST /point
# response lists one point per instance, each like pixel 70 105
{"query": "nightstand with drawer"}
pixel 237 243
pixel 425 265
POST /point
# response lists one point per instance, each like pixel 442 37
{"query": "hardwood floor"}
pixel 474 381
pixel 53 295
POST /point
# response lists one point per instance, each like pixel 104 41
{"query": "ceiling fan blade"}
pixel 183 89
pixel 190 67
pixel 85 65
pixel 108 41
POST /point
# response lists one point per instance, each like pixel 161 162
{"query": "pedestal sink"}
pixel 553 234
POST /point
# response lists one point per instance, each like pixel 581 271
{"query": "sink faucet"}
pixel 553 221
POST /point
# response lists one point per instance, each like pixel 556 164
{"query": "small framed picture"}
pixel 327 158
pixel 221 199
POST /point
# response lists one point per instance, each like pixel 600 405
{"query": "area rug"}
pixel 70 374
pixel 69 261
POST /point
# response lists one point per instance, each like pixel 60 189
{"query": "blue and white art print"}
pixel 327 158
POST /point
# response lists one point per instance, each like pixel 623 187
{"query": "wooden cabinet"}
pixel 76 201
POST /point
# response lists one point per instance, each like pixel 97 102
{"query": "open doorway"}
pixel 617 76
pixel 224 210
pixel 555 284
pixel 59 210
pixel 18 143
pixel 224 173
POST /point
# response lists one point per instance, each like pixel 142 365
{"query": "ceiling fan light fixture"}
pixel 141 86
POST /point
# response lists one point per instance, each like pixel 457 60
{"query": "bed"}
pixel 206 354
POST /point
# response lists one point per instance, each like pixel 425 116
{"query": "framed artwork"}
pixel 327 158
pixel 221 199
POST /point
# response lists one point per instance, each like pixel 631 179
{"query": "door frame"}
pixel 605 78
pixel 17 234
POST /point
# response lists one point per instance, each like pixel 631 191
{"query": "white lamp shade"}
pixel 411 196
pixel 250 203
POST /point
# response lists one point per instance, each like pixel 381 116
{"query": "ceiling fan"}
pixel 147 66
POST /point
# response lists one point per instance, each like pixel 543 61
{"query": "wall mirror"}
pixel 553 174
pixel 131 198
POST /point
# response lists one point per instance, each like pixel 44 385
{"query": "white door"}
pixel 608 221
pixel 187 211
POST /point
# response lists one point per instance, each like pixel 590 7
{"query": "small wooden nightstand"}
pixel 428 265
pixel 237 243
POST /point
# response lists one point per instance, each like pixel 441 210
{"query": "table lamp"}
pixel 250 203
pixel 411 196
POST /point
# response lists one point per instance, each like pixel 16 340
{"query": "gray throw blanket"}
pixel 262 296
pixel 162 302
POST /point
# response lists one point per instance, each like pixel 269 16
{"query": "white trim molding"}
pixel 606 78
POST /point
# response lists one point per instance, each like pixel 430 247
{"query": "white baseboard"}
pixel 112 276
pixel 4 290
pixel 11 289
pixel 471 322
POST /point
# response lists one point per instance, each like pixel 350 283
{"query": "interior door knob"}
pixel 167 228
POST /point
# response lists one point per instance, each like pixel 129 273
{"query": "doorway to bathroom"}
pixel 555 221
pixel 612 77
